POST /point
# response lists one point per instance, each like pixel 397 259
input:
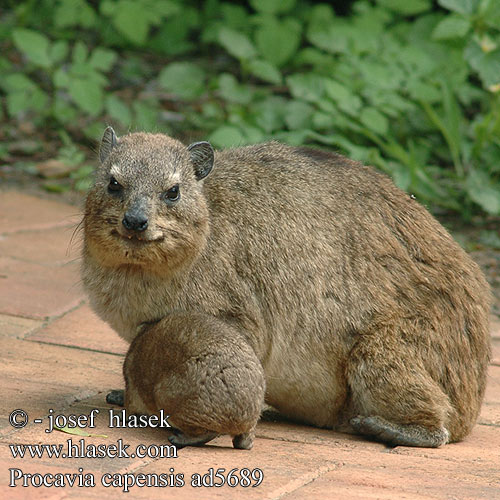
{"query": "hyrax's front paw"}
pixel 116 397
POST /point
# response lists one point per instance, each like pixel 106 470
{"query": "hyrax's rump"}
pixel 361 310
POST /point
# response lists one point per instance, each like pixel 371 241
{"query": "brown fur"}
pixel 202 371
pixel 362 311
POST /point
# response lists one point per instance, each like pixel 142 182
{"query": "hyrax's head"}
pixel 146 207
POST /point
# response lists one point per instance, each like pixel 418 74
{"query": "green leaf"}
pixel 490 239
pixel 265 71
pixel 269 113
pixel 56 187
pixel 118 110
pixel 16 103
pixel 80 53
pixel 251 135
pixel 82 172
pixel 87 95
pixel 77 431
pixel 481 190
pixel 298 115
pixel 172 37
pixel 307 86
pixel 323 121
pixel 102 59
pixel 278 41
pixel 34 45
pixel 490 13
pixel 452 26
pixel 146 115
pixel 333 39
pixel 400 174
pixel 421 91
pixel 487 64
pixel 27 97
pixel 16 82
pixel 406 7
pixel 167 8
pixel 272 6
pixel 226 136
pixel 74 13
pixel 461 6
pixel 185 79
pixel 337 91
pixel 232 91
pixel 84 185
pixel 58 51
pixel 64 112
pixel 343 96
pixel 61 78
pixel 133 20
pixel 235 16
pixel 374 120
pixel 237 44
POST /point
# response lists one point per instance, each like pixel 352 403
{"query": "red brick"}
pixel 82 328
pixel 49 246
pixel 21 212
pixel 286 466
pixel 495 354
pixel 495 327
pixel 490 414
pixel 394 476
pixel 37 377
pixel 479 448
pixel 37 291
pixel 281 431
pixel 14 326
pixel 492 394
pixel 29 493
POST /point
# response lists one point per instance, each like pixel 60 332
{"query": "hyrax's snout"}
pixel 135 220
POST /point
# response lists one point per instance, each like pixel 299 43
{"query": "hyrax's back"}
pixel 343 265
pixel 362 310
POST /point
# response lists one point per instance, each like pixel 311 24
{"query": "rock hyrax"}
pixel 290 265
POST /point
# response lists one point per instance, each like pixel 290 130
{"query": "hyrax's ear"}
pixel 108 142
pixel 202 156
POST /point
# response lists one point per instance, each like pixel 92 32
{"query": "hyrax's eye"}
pixel 172 195
pixel 114 186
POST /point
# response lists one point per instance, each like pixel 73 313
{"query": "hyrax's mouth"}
pixel 137 238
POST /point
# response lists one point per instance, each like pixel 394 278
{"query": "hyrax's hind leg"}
pixel 394 400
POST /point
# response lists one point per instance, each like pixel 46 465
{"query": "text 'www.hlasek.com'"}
pixel 77 447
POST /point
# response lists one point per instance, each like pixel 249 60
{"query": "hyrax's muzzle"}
pixel 135 219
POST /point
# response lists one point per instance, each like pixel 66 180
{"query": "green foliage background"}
pixel 409 86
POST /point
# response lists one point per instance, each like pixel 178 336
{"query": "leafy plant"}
pixel 409 87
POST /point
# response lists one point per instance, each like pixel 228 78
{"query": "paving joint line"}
pixel 78 348
pixel 302 481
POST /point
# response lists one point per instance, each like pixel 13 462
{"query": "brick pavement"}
pixel 56 354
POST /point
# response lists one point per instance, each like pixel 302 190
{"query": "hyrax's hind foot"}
pixel 393 397
pixel 399 435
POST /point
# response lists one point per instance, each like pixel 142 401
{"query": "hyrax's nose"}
pixel 135 221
